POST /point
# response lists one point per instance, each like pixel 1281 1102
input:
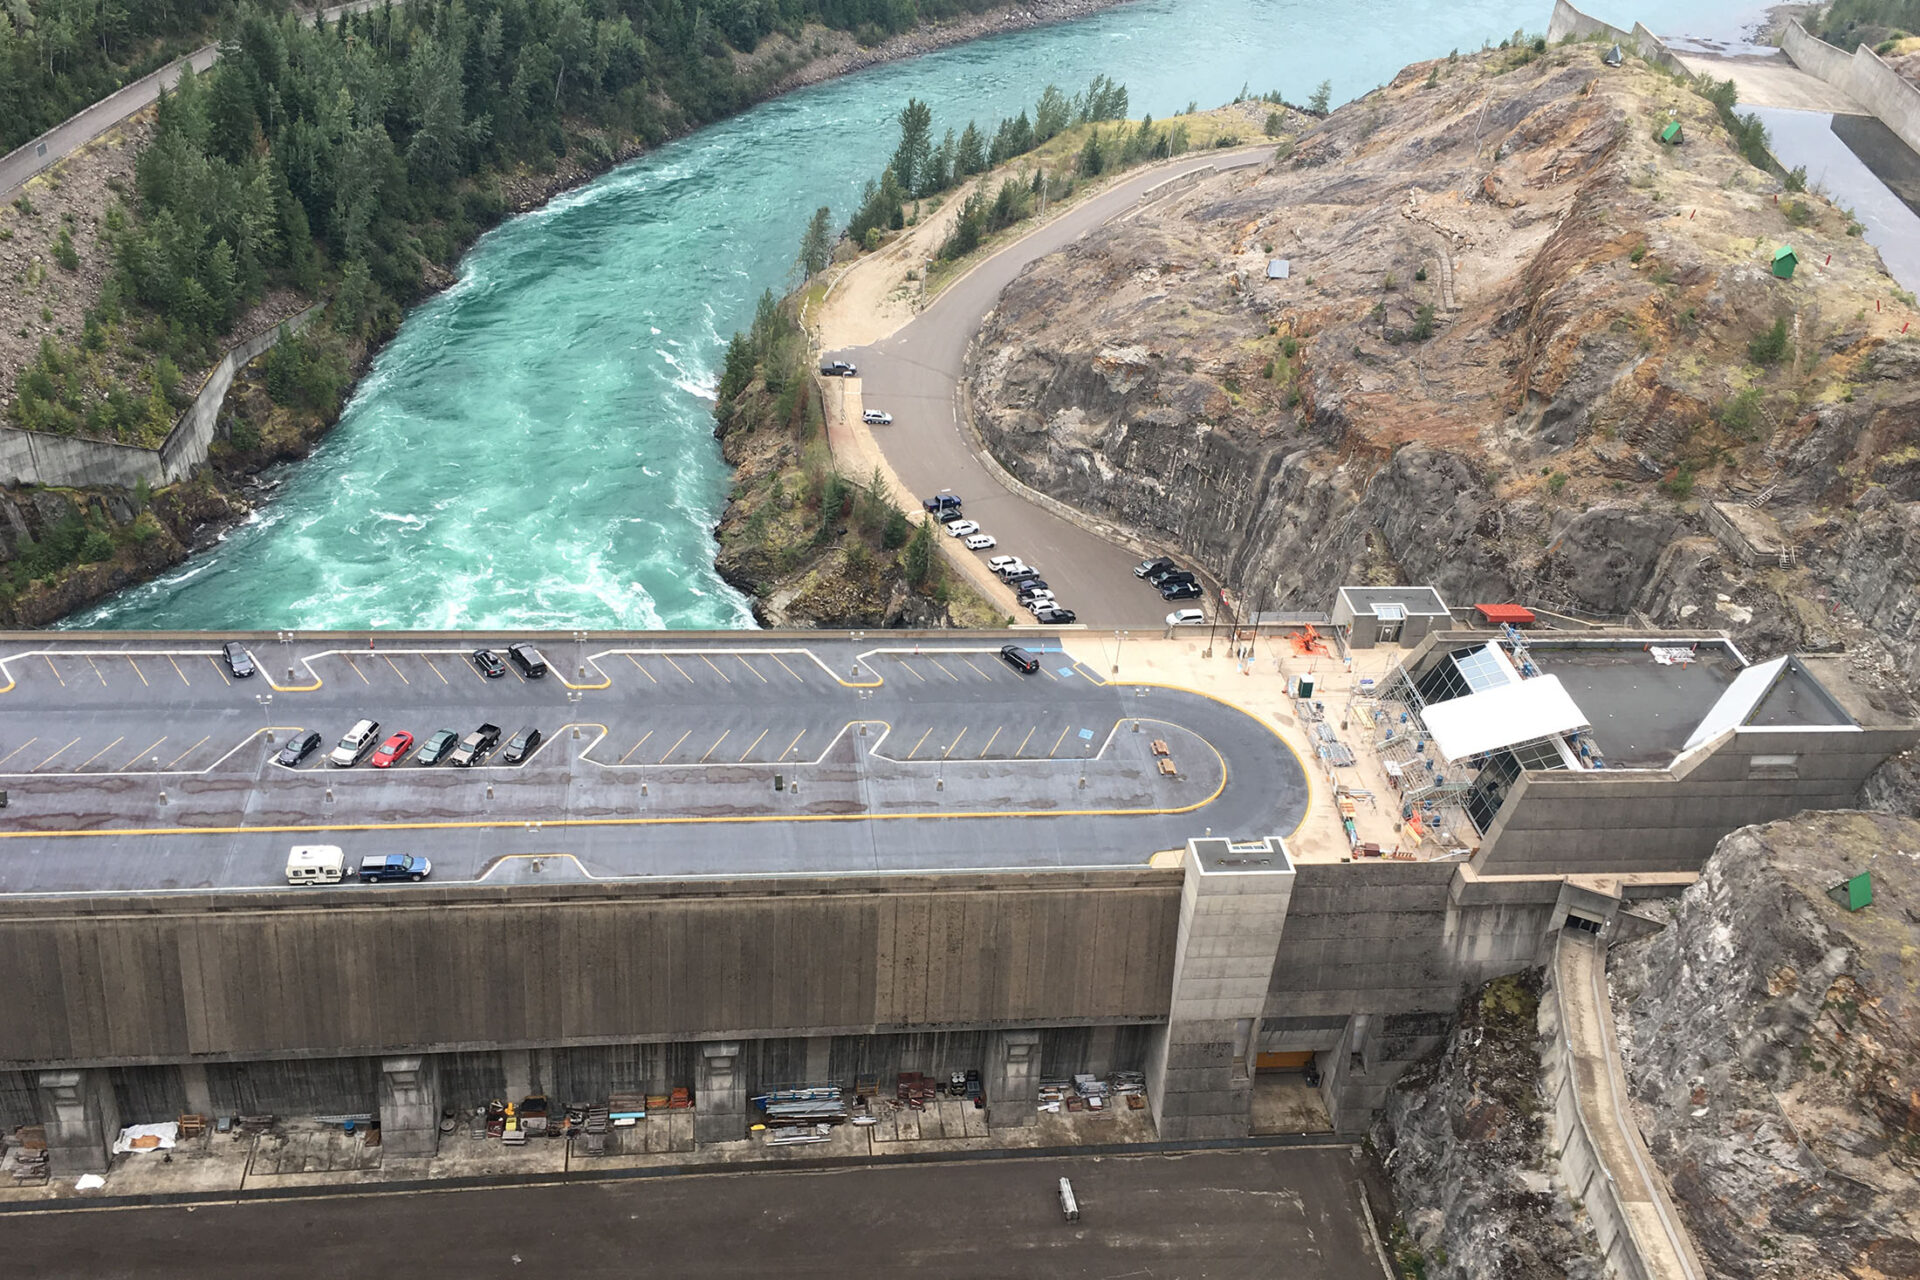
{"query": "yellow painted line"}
pixel 717 671
pixel 22 747
pixel 210 658
pixel 606 681
pixel 956 742
pixel 636 746
pixel 177 671
pixel 716 743
pixel 676 746
pixel 102 751
pixel 923 738
pixel 989 746
pixel 137 671
pixel 56 671
pixel 749 666
pixel 756 742
pixel 676 667
pixel 643 671
pixel 478 674
pixel 793 744
pixel 916 675
pixel 784 667
pixel 138 756
pixel 436 671
pixel 50 759
pixel 1043 668
pixel 189 751
pixel 936 662
pixel 1056 743
pixel 397 671
pixel 983 675
pixel 1023 742
pixel 357 671
pixel 99 675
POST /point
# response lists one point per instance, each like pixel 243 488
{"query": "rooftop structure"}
pixel 1367 616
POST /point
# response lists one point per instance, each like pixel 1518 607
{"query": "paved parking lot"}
pixel 151 766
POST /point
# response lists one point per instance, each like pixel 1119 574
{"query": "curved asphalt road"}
pixel 61 141
pixel 915 375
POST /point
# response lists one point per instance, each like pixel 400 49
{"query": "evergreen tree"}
pixel 816 246
pixel 910 158
pixel 1051 115
pixel 970 156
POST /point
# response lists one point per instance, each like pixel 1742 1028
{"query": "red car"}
pixel 394 749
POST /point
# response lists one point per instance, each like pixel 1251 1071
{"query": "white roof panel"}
pixel 1504 716
pixel 1738 702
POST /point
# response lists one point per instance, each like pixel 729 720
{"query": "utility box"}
pixel 1784 261
pixel 1671 134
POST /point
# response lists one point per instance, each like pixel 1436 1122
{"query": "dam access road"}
pixel 137 762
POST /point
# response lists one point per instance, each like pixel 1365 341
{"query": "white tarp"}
pixel 1502 717
pixel 167 1133
pixel 1738 702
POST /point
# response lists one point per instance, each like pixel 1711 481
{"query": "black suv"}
pixel 520 746
pixel 1159 576
pixel 1019 659
pixel 1181 591
pixel 1027 586
pixel 528 659
pixel 1147 568
pixel 238 660
pixel 1055 617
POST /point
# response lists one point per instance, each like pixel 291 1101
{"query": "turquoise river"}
pixel 535 449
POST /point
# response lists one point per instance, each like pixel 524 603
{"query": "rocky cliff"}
pixel 1519 346
pixel 1772 1039
pixel 1463 1138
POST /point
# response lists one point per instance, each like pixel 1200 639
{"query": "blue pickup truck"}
pixel 394 866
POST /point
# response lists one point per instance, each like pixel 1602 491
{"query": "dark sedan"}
pixel 298 749
pixel 437 745
pixel 238 660
pixel 489 664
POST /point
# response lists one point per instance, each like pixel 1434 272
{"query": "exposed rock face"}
pixel 1773 1045
pixel 1465 1143
pixel 1512 358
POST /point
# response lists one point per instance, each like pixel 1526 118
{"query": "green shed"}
pixel 1855 894
pixel 1671 134
pixel 1784 261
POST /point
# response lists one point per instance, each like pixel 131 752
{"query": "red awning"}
pixel 1504 614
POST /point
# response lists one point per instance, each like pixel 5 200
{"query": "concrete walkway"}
pixel 1661 1240
pixel 1772 81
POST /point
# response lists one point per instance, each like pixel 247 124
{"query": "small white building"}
pixel 1369 616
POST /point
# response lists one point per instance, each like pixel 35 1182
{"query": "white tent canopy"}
pixel 1505 716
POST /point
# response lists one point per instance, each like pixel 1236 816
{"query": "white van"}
pixel 315 864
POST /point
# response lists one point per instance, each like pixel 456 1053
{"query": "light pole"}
pixel 1118 644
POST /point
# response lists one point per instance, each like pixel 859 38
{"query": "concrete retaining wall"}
pixel 1862 77
pixel 1569 21
pixel 71 462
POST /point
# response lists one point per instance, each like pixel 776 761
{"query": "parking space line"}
pixel 436 670
pixel 478 674
pixel 137 671
pixel 636 746
pixel 56 671
pixel 643 671
pixel 956 742
pixel 98 674
pixel 793 744
pixel 756 742
pixel 50 759
pixel 923 738
pixel 676 667
pixel 717 671
pixel 1023 742
pixel 990 742
pixel 210 658
pixel 716 742
pixel 982 674
pixel 1048 674
pixel 936 662
pixel 676 745
pixel 749 666
pixel 784 667
pixel 397 671
pixel 102 751
pixel 177 671
pixel 357 671
pixel 1056 743
pixel 915 674
pixel 189 751
pixel 149 751
pixel 17 750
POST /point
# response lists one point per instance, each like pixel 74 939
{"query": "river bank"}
pixel 46 579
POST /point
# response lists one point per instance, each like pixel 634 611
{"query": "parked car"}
pixel 952 516
pixel 997 563
pixel 1019 659
pixel 1018 569
pixel 1055 617
pixel 488 664
pixel 1181 591
pixel 1159 577
pixel 298 749
pixel 520 746
pixel 354 747
pixel 1028 586
pixel 875 418
pixel 1024 574
pixel 941 502
pixel 961 528
pixel 393 750
pixel 979 541
pixel 474 747
pixel 837 369
pixel 1186 618
pixel 528 659
pixel 239 661
pixel 1146 568
pixel 438 744
pixel 394 866
pixel 1039 600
